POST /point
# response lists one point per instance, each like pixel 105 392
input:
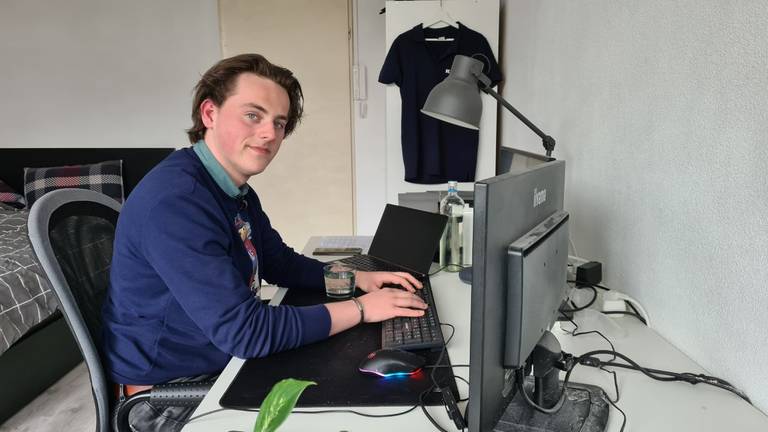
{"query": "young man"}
pixel 193 244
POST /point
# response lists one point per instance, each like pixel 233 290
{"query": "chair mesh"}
pixel 81 235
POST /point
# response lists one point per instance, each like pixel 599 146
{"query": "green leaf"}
pixel 279 403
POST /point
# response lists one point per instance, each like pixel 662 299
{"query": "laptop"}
pixel 405 240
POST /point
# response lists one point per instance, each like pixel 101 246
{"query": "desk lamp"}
pixel 456 100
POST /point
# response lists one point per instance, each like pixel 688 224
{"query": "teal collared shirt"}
pixel 216 171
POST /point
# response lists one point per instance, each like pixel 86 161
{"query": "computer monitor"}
pixel 506 207
pixel 515 159
pixel 519 256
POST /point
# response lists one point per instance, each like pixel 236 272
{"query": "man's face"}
pixel 246 131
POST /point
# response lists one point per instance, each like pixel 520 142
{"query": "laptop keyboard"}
pixel 369 263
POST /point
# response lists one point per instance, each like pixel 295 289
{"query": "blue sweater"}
pixel 179 303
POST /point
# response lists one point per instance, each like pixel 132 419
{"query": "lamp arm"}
pixel 547 141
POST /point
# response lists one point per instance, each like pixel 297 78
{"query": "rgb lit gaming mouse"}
pixel 391 362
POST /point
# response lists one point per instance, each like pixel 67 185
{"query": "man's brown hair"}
pixel 219 81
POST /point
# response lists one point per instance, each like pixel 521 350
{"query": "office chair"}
pixel 72 232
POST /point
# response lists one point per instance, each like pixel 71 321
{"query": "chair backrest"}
pixel 72 232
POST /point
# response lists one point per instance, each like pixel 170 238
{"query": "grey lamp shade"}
pixel 456 99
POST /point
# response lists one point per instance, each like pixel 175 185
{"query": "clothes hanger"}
pixel 443 20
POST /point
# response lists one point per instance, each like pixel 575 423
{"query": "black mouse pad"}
pixel 333 365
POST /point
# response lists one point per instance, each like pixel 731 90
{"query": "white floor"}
pixel 66 406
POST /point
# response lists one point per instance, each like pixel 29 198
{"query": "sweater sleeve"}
pixel 281 264
pixel 188 242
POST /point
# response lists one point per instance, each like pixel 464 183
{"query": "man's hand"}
pixel 388 303
pixel 373 281
pixel 379 305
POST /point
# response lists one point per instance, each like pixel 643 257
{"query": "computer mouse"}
pixel 391 362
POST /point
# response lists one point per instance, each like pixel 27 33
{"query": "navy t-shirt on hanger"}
pixel 434 151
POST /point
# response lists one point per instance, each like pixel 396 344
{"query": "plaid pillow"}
pixel 105 177
pixel 9 196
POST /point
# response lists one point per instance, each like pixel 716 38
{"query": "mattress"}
pixel 26 297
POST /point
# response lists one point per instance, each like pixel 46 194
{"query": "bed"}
pixel 38 348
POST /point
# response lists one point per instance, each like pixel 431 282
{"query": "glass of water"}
pixel 339 280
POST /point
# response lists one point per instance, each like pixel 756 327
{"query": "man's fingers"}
pixel 406 284
pixel 411 301
pixel 408 312
pixel 410 278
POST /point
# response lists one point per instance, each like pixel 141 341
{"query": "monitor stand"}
pixel 584 407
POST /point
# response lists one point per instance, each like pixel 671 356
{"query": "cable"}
pixel 445 267
pixel 691 378
pixel 631 306
pixel 331 411
pixel 426 413
pixel 191 419
pixel 576 327
pixel 453 332
pixel 634 305
pixel 615 380
pixel 442 353
pixel 446 366
pixel 642 320
pixel 640 314
pixel 435 385
pixel 551 410
pixel 576 281
pixel 580 308
pixel 467 382
pixel 616 386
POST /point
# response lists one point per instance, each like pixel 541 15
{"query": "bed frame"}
pixel 48 351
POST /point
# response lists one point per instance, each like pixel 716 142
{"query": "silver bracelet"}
pixel 360 307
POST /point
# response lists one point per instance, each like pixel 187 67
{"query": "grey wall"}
pixel 661 111
pixel 90 73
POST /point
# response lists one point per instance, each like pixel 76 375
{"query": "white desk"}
pixel 650 405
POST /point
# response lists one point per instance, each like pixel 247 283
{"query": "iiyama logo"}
pixel 539 197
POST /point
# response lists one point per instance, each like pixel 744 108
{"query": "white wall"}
pixel 91 73
pixel 368 114
pixel 661 111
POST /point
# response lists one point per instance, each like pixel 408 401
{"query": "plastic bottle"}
pixel 451 241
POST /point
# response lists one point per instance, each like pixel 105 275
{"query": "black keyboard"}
pixel 405 333
pixel 412 333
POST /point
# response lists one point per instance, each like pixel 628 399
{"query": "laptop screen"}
pixel 408 237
